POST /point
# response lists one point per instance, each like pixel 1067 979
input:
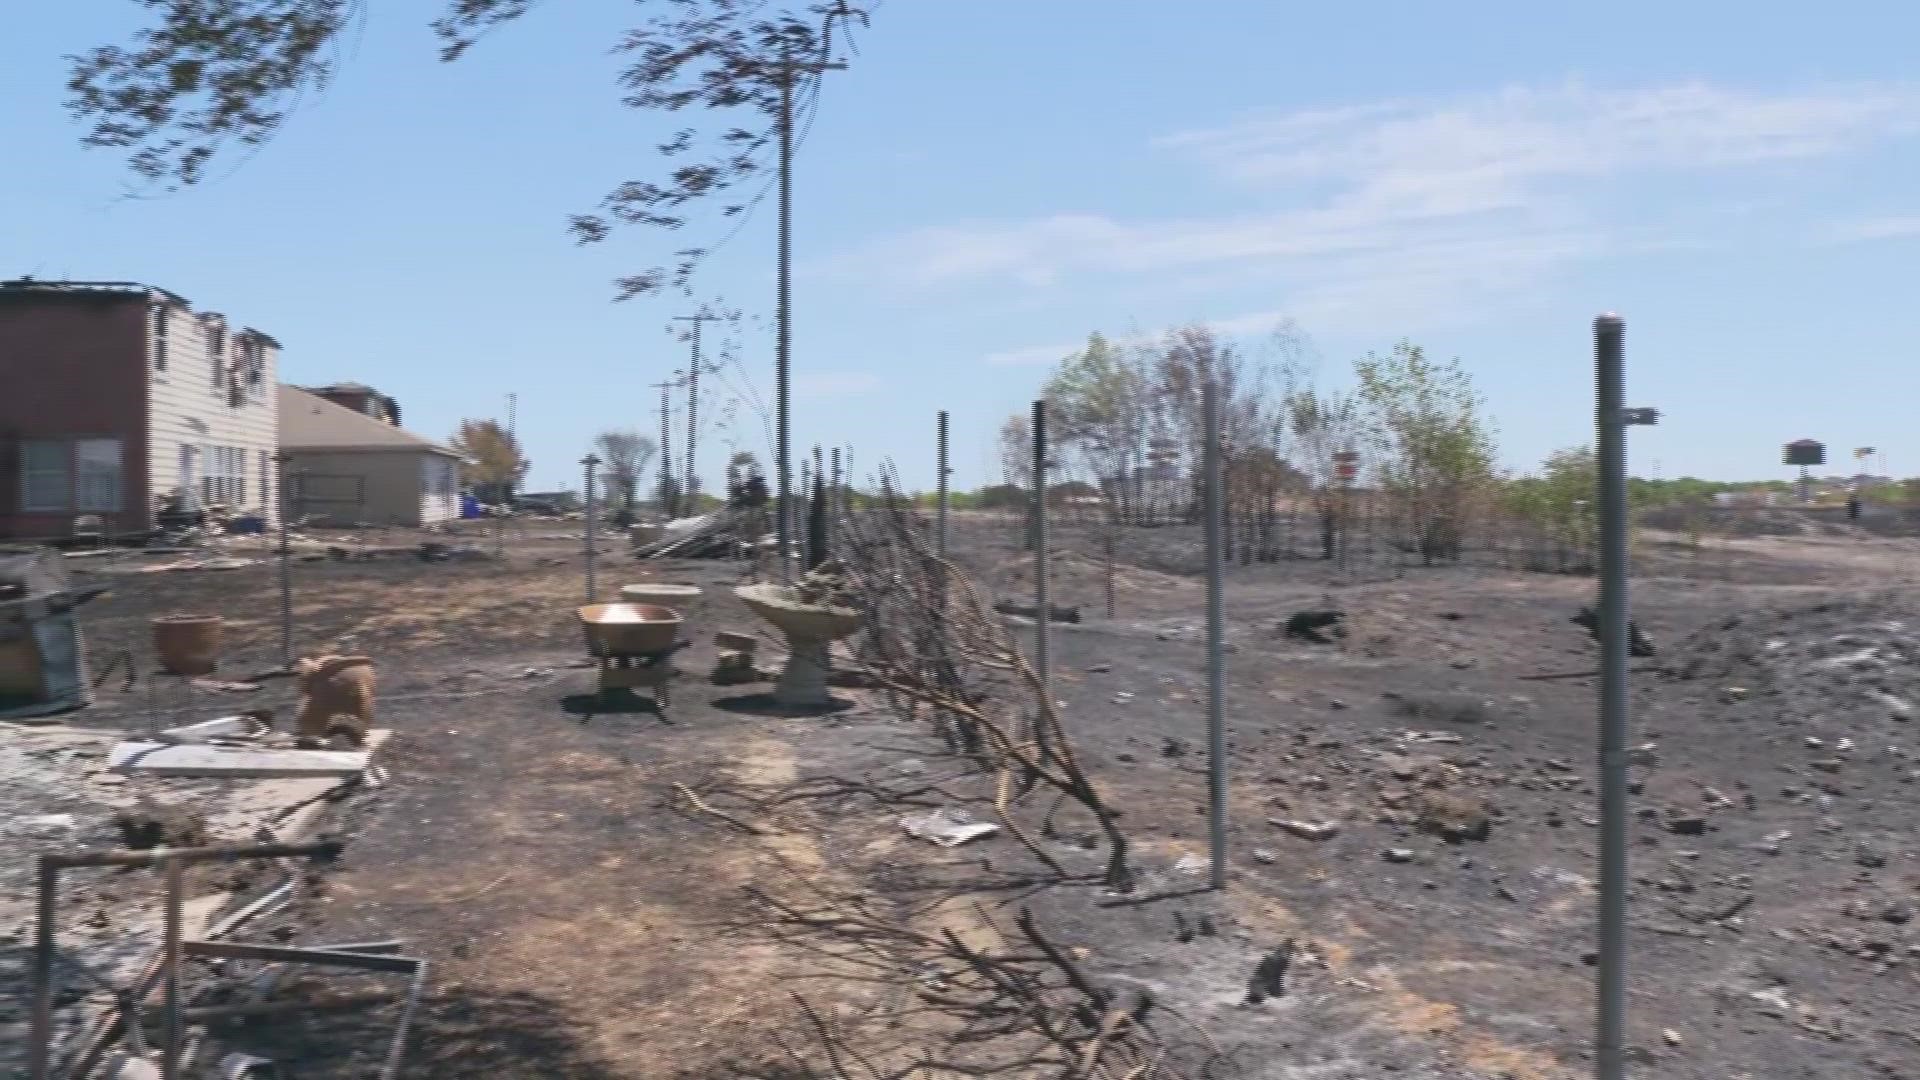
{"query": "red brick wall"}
pixel 73 365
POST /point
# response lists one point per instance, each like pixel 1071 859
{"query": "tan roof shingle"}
pixel 308 422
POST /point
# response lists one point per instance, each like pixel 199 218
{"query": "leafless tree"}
pixel 625 455
pixel 204 77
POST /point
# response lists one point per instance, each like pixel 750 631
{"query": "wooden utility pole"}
pixel 788 71
pixel 693 402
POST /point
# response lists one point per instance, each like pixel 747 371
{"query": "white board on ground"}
pixel 235 762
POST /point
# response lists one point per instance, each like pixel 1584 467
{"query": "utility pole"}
pixel 666 443
pixel 693 397
pixel 783 339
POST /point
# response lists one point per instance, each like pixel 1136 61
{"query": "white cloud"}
pixel 1886 228
pixel 1382 207
pixel 1501 141
pixel 1259 322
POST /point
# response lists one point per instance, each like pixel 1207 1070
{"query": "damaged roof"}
pixel 311 422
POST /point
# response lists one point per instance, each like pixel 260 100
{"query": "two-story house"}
pixel 117 396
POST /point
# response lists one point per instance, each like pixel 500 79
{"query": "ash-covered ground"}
pixel 1413 807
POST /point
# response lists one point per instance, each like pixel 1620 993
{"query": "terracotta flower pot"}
pixel 189 645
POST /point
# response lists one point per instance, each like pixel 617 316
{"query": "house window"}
pixel 223 475
pixel 249 368
pixel 160 337
pixel 46 476
pixel 97 476
pixel 61 475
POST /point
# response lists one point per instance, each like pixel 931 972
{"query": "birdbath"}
pixel 809 629
pixel 660 593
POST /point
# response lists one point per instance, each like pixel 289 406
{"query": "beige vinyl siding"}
pixel 439 489
pixel 373 487
pixel 186 407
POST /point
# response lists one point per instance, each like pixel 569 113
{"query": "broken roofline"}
pixel 122 288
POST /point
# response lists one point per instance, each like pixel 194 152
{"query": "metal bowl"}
pixel 629 629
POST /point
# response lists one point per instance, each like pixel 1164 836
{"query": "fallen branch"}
pixel 698 804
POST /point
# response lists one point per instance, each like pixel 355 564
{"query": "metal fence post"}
pixel 286 566
pixel 1610 418
pixel 1109 542
pixel 1042 594
pixel 940 508
pixel 803 508
pixel 836 498
pixel 1216 658
pixel 589 463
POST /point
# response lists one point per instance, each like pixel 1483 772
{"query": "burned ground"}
pixel 593 896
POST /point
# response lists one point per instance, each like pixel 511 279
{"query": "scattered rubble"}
pixel 946 828
pixel 1306 830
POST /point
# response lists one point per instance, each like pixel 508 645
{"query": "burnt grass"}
pixel 582 920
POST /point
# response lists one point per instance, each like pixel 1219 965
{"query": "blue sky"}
pixel 994 178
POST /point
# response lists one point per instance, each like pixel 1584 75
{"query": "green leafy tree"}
pixel 1098 402
pixel 1433 442
pixel 999 497
pixel 491 458
pixel 1558 502
pixel 1318 425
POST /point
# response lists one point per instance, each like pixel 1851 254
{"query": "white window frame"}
pixel 100 484
pixel 223 476
pixel 81 475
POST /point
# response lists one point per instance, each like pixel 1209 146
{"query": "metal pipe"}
pixel 805 490
pixel 1611 420
pixel 589 463
pixel 321 849
pixel 1042 593
pixel 41 1033
pixel 1216 650
pixel 282 954
pixel 1107 546
pixel 783 319
pixel 940 508
pixel 170 958
pixel 415 989
pixel 286 568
